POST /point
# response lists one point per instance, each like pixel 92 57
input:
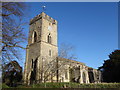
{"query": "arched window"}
pixel 34 37
pixel 66 74
pixel 33 73
pixel 49 39
pixel 84 77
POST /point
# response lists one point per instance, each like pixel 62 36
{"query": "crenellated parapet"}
pixel 45 16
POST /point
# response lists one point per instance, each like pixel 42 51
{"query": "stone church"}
pixel 42 61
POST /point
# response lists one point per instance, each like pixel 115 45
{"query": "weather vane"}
pixel 44 8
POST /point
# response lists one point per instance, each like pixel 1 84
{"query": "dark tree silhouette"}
pixel 111 68
pixel 12 73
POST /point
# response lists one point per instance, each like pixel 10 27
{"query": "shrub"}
pixel 4 85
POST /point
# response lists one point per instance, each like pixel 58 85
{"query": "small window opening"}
pixel 50 53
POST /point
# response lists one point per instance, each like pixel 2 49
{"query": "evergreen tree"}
pixel 111 68
pixel 12 73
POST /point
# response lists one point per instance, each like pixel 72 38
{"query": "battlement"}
pixel 45 16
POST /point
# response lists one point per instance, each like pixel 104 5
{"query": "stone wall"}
pixel 42 61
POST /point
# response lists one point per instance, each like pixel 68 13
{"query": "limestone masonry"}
pixel 42 61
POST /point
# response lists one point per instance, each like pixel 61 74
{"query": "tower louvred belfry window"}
pixel 49 39
pixel 34 37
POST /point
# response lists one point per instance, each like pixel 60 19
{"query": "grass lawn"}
pixel 68 85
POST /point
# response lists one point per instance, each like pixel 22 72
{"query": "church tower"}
pixel 42 46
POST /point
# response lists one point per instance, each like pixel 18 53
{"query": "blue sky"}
pixel 91 28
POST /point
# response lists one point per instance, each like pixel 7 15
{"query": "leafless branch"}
pixel 13 35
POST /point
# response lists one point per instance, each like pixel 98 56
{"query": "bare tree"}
pixel 58 64
pixel 13 35
pixel 66 51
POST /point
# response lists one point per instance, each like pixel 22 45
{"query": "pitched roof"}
pixel 69 60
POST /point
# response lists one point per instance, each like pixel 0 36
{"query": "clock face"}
pixel 49 28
